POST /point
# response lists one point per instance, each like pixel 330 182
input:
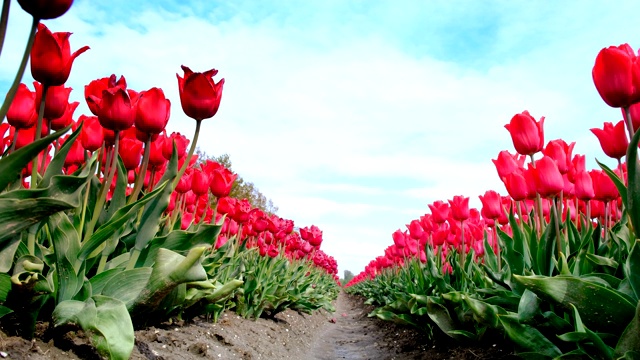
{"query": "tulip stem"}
pixel 143 171
pixel 34 163
pixel 23 65
pixel 4 19
pixel 462 250
pixel 497 239
pixel 187 160
pixel 628 121
pixel 554 208
pixel 104 189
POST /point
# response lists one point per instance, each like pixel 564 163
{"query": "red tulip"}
pixel 415 229
pixel 131 152
pixel 227 205
pixel 45 9
pixel 22 113
pixel 634 111
pixel 156 157
pixel 459 208
pixel 184 184
pixel 56 102
pixel 560 152
pixel 616 75
pixel 51 57
pixel 312 234
pixel 222 180
pixel 549 181
pixel 199 182
pixel 91 135
pixel 491 205
pixel 527 134
pixel 516 185
pixel 613 139
pixel 116 110
pixel 578 163
pixel 439 211
pixel 76 154
pixel 584 186
pixel 94 89
pixel 506 163
pixel 153 111
pixel 603 187
pixel 241 211
pixel 181 142
pixel 199 94
pixel 66 118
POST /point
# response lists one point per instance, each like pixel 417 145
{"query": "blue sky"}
pixel 355 115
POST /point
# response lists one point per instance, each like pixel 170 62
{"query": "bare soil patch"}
pixel 346 334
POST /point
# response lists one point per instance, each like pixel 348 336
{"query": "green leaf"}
pixel 632 268
pixel 602 261
pixel 5 286
pixel 439 314
pixel 66 245
pixel 169 270
pixel 630 340
pixel 633 175
pixel 622 189
pixel 57 163
pixel 8 253
pixel 119 219
pixel 11 165
pixel 603 308
pixel 126 285
pixel 529 306
pixel 182 240
pixel 484 313
pixel 528 337
pixel 105 319
pixel 150 220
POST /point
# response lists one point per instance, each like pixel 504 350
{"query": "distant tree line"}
pixel 242 189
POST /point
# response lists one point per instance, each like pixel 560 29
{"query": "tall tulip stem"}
pixel 628 121
pixel 557 218
pixel 23 65
pixel 104 189
pixel 143 171
pixel 34 163
pixel 462 250
pixel 4 19
pixel 192 149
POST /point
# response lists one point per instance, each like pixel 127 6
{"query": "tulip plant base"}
pixel 346 334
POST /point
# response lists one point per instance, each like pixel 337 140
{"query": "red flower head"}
pixel 439 211
pixel 181 145
pixel 22 112
pixel 66 118
pixel 56 102
pixel 91 135
pixel 516 185
pixel 459 208
pixel 130 152
pixel 616 75
pixel 416 231
pixel 45 9
pixel 603 187
pixel 221 181
pixel 560 151
pixel 199 94
pixel 153 111
pixel 51 57
pixel 95 88
pixel 584 186
pixel 549 181
pixel 116 109
pixel 491 205
pixel 506 163
pixel 526 133
pixel 613 139
pixel 199 182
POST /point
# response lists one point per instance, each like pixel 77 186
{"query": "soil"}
pixel 346 334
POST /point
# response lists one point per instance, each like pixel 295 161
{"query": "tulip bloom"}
pixel 116 110
pixel 616 75
pixel 459 208
pixel 91 135
pixel 613 139
pixel 200 182
pixel 131 152
pixel 22 113
pixel 45 9
pixel 516 185
pixel 153 111
pixel 51 57
pixel 583 186
pixel 491 205
pixel 603 187
pixel 56 101
pixel 549 181
pixel 506 163
pixel 66 118
pixel 527 134
pixel 96 87
pixel 222 180
pixel 439 211
pixel 199 94
pixel 560 151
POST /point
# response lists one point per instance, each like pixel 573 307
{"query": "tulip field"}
pixel 554 266
pixel 109 223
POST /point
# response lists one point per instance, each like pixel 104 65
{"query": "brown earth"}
pixel 346 334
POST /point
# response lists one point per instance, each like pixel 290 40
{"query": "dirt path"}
pixel 358 337
pixel 346 334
